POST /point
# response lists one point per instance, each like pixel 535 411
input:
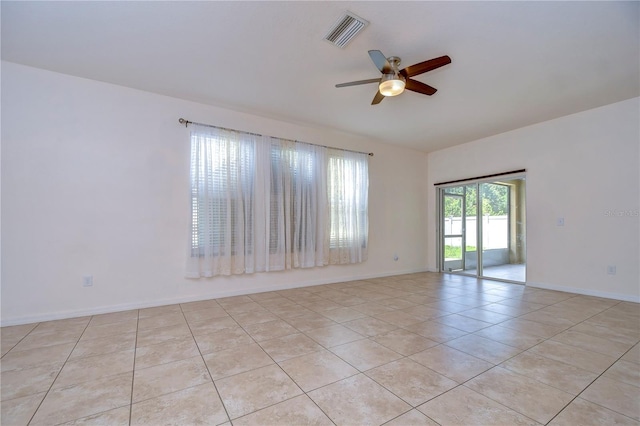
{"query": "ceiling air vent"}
pixel 347 27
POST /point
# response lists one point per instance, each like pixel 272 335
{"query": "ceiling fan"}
pixel 395 81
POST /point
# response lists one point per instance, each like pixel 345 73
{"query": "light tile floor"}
pixel 419 349
pixel 511 272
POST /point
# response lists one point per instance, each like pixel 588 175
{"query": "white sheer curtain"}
pixel 222 202
pixel 265 204
pixel 298 204
pixel 348 192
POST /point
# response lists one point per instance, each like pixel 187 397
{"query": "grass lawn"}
pixel 451 252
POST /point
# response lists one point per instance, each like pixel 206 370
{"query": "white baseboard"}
pixel 586 292
pixel 75 313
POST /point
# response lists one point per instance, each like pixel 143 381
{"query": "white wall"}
pixel 578 167
pixel 94 182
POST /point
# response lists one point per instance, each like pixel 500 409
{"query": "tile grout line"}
pixel 359 372
pixel 482 372
pixel 133 372
pixel 325 348
pixel 276 363
pixel 61 368
pixel 370 338
pixel 467 333
pixel 205 363
pixel 468 380
pixel 545 340
pixel 280 367
pixel 328 349
pixel 21 339
pixel 592 382
pixel 498 365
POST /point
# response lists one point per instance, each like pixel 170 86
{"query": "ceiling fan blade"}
pixel 377 98
pixel 425 66
pixel 417 86
pixel 355 83
pixel 380 60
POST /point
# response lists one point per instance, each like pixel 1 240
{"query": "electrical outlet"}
pixel 87 281
pixel 611 269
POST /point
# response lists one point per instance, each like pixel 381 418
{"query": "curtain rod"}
pixel 187 122
pixel 481 177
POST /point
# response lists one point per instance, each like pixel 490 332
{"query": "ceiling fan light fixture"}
pixel 391 85
pixel 394 80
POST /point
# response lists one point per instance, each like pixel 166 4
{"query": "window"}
pixel 292 176
pixel 222 176
pixel 260 204
pixel 348 198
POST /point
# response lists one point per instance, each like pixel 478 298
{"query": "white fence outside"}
pixel 495 231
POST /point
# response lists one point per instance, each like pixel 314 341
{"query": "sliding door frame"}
pixel 440 191
pixel 463 227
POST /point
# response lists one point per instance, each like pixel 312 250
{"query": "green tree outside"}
pixel 495 200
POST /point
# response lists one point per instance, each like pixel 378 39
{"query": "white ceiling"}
pixel 513 63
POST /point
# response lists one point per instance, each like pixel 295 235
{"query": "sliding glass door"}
pixel 483 229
